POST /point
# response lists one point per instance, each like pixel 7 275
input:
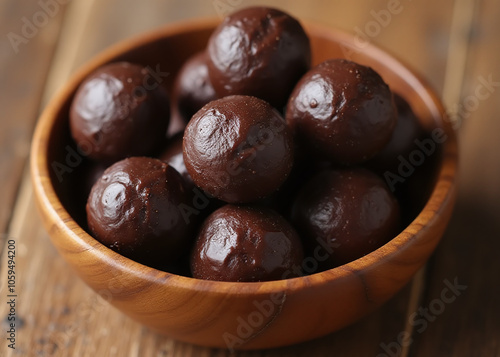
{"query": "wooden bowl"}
pixel 225 314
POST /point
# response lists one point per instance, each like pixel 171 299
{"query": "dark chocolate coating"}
pixel 342 111
pixel 134 209
pixel 192 87
pixel 115 109
pixel 258 51
pixel 350 211
pixel 246 244
pixel 407 130
pixel 238 149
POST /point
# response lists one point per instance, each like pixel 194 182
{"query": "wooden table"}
pixel 454 44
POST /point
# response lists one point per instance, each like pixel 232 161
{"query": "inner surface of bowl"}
pixel 240 315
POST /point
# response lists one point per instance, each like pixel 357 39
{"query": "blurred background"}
pixel 453 44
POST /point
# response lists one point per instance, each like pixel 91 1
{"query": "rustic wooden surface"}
pixel 452 43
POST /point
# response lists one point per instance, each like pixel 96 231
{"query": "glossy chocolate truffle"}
pixel 407 130
pixel 238 149
pixel 258 51
pixel 246 244
pixel 134 209
pixel 346 214
pixel 192 88
pixel 115 109
pixel 342 111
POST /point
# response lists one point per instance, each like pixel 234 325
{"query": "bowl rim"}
pixel 52 207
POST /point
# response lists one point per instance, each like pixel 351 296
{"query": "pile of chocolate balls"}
pixel 278 161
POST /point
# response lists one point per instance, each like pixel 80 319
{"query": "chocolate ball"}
pixel 192 87
pixel 402 143
pixel 258 51
pixel 238 149
pixel 342 111
pixel 134 209
pixel 345 214
pixel 115 108
pixel 246 244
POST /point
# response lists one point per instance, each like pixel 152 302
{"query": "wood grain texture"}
pixel 22 81
pixel 419 35
pixel 469 326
